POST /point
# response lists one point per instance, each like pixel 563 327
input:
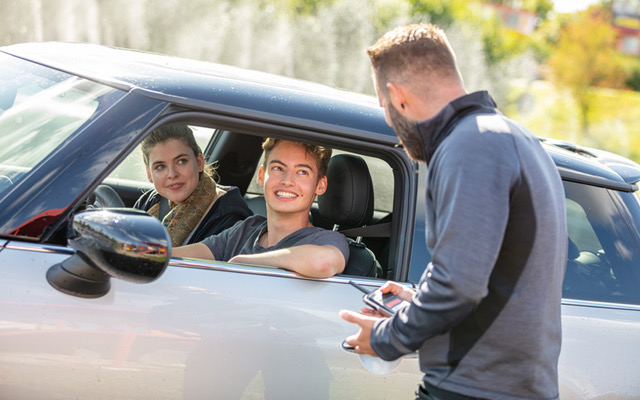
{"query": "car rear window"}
pixel 603 257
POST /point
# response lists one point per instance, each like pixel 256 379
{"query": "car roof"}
pixel 201 84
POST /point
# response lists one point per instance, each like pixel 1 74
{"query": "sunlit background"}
pixel 567 69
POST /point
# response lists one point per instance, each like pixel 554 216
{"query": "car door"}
pixel 203 329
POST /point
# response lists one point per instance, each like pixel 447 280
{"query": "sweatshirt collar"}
pixel 434 130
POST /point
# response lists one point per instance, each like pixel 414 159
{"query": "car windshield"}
pixel 39 109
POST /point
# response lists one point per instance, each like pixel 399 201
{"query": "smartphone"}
pixel 386 303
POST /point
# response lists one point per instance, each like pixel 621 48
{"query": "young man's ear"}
pixel 321 187
pixel 260 178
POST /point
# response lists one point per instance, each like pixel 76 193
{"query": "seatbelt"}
pixel 164 208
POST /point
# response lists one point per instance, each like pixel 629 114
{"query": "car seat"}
pixel 348 203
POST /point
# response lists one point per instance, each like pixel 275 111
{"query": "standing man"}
pixel 485 318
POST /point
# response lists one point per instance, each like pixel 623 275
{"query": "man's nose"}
pixel 287 178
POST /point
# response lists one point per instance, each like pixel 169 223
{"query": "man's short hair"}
pixel 411 51
pixel 321 154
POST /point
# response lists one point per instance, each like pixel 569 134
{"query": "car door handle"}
pixel 347 347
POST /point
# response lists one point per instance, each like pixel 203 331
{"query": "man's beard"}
pixel 407 132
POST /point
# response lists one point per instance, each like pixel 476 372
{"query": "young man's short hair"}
pixel 321 154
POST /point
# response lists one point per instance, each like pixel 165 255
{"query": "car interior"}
pixel 357 202
pixel 601 262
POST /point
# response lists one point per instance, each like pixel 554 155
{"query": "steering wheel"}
pixel 104 197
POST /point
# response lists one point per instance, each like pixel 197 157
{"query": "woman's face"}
pixel 174 169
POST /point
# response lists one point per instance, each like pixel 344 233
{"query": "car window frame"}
pixel 358 142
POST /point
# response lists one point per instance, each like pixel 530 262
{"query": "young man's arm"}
pixel 315 261
pixel 194 250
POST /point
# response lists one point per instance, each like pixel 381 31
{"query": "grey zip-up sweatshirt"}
pixel 486 317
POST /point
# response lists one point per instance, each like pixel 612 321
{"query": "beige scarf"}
pixel 183 218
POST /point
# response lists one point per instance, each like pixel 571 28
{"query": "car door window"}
pixel 603 260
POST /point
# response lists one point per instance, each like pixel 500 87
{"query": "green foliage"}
pixel 585 57
pixel 630 67
pixel 305 7
pixel 439 12
pixel 633 80
pixel 552 112
pixel 500 44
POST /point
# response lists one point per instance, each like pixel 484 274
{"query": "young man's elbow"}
pixel 329 265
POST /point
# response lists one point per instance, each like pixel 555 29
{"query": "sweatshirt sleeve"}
pixel 470 178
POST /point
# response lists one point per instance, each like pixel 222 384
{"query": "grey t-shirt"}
pixel 242 238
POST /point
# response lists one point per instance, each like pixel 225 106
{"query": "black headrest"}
pixel 574 252
pixel 348 201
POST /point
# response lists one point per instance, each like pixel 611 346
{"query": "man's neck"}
pixel 281 225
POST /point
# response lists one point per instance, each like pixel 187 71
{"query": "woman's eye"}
pixel 159 167
pixel 183 161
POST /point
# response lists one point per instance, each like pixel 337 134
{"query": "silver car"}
pixel 93 305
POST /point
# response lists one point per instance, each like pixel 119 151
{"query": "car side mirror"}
pixel 122 243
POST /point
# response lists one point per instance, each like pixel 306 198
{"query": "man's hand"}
pixel 361 341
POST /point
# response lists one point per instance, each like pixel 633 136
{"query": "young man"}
pixel 292 175
pixel 486 316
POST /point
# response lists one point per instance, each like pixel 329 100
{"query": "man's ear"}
pixel 321 187
pixel 260 178
pixel 397 95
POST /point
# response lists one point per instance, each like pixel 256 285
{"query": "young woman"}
pixel 185 197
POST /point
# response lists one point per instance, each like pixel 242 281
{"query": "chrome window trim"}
pixel 255 270
pixel 600 304
pixel 38 247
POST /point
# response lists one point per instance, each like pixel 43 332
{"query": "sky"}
pixel 563 6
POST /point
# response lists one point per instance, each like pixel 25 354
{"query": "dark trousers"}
pixel 428 392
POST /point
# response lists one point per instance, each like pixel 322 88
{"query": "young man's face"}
pixel 290 179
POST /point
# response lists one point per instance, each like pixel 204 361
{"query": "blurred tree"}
pixel 585 57
pixel 633 80
pixel 439 12
pixel 501 43
pixel 541 7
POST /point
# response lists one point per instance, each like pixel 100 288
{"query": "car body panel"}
pixel 599 350
pixel 176 332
